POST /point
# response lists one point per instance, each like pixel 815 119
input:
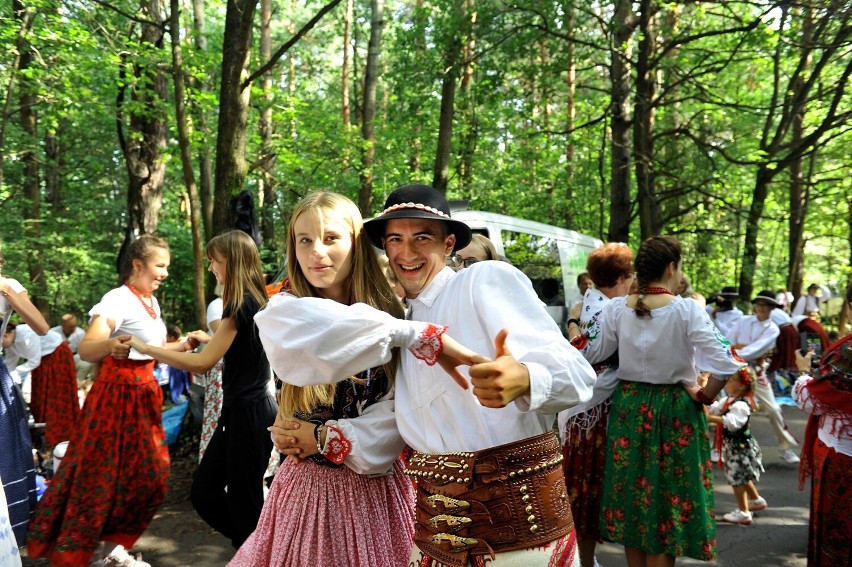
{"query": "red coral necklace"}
pixel 654 291
pixel 149 307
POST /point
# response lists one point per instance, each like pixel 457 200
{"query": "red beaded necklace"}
pixel 149 308
pixel 654 291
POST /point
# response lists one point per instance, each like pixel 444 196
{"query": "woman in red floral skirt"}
pixel 113 477
pixel 54 392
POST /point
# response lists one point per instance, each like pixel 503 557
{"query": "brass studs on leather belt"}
pixel 456 543
pixel 522 472
pixel 533 528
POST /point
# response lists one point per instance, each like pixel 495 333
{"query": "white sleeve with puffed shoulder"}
pixel 311 340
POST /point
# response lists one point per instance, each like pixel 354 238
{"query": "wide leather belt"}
pixel 500 499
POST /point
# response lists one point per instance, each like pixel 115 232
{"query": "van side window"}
pixel 538 257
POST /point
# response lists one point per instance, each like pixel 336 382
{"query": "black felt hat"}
pixel 417 202
pixel 729 292
pixel 766 296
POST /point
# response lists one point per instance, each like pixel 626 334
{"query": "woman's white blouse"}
pixel 128 315
pixel 590 323
pixel 668 347
pixel 831 431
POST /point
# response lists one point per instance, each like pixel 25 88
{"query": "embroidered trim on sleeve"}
pixel 580 342
pixel 429 345
pixel 337 447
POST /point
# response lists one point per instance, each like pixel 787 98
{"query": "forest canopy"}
pixel 726 124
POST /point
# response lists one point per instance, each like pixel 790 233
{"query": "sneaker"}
pixel 757 504
pixel 120 558
pixel 738 517
pixel 788 456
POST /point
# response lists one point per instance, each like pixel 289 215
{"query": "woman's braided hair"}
pixel 654 256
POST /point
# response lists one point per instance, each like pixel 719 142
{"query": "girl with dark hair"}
pixel 658 482
pixel 583 427
pixel 227 491
pixel 17 474
pixel 113 477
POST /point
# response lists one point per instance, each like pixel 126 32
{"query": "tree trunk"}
pixel 25 18
pixel 188 173
pixel 452 54
pixel 205 162
pixel 144 147
pixel 52 177
pixel 266 187
pixel 570 110
pixel 344 72
pixel 624 22
pixel 776 145
pixel 371 79
pixel 798 192
pixel 643 123
pixel 755 214
pixel 468 142
pixel 844 313
pixel 419 23
pixel 231 165
pixel 29 158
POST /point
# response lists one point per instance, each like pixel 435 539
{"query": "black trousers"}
pixel 235 459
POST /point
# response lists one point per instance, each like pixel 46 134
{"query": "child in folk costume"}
pixel 113 477
pixel 739 449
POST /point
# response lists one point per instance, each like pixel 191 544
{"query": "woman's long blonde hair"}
pixel 366 284
pixel 242 266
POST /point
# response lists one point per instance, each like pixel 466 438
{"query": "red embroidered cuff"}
pixel 430 344
pixel 580 342
pixel 336 445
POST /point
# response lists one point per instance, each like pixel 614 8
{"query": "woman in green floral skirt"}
pixel 658 481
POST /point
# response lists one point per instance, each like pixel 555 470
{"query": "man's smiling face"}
pixel 417 250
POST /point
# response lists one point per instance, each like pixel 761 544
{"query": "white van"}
pixel 543 252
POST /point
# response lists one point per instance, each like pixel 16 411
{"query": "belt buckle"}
pixel 451 523
pixel 456 543
pixel 449 504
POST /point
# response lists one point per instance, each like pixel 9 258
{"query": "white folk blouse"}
pixel 831 432
pixel 669 347
pixel 758 337
pixel 125 310
pixel 590 324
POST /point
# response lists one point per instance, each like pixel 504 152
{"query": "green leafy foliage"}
pixel 520 146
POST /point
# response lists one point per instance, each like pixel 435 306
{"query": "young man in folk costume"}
pixel 753 337
pixel 487 462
